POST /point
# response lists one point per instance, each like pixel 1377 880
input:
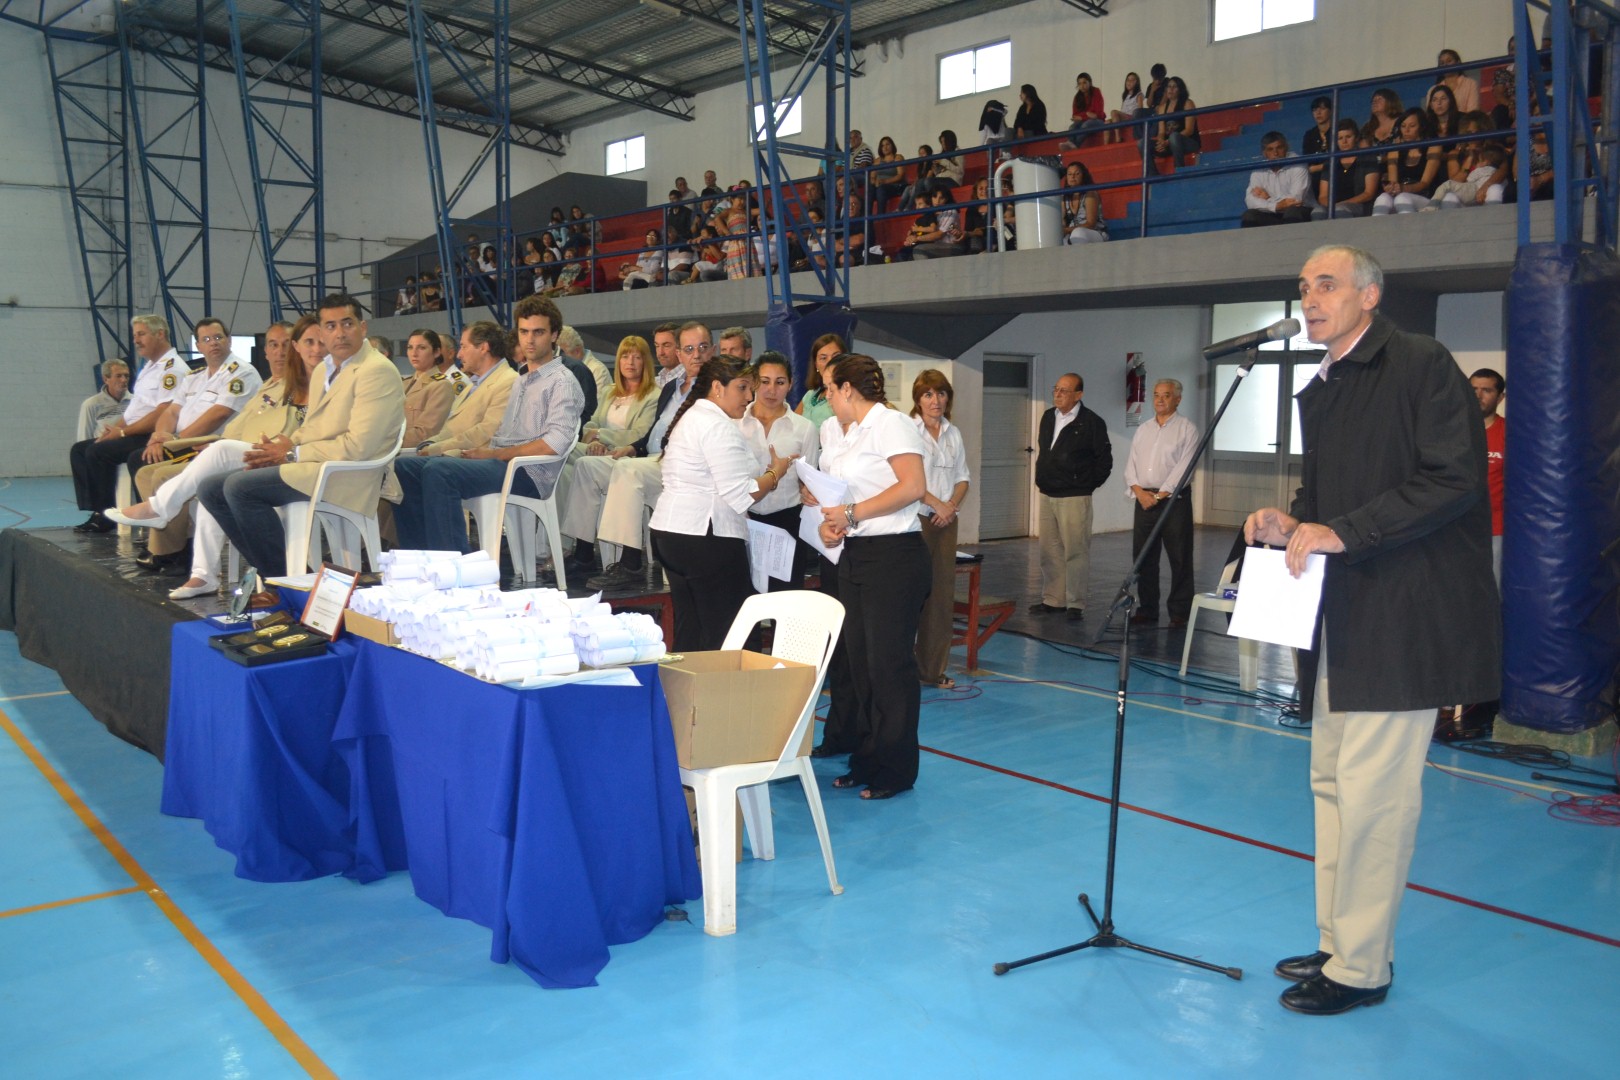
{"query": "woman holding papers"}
pixel 883 572
pixel 769 425
pixel 947 476
pixel 711 478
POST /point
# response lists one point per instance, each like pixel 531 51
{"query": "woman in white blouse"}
pixel 769 425
pixel 699 525
pixel 946 473
pixel 883 575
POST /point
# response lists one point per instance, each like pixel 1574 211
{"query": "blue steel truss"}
pixel 493 114
pixel 784 212
pixel 283 126
pixel 168 112
pixel 87 80
pixel 1585 149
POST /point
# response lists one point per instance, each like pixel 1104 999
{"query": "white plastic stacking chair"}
pixel 523 517
pixel 807 627
pixel 1248 648
pixel 347 532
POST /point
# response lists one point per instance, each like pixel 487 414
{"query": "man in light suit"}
pixel 356 411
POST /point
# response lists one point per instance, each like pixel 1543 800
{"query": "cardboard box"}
pixel 733 706
pixel 371 629
pixel 697 841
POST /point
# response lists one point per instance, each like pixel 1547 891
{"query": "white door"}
pixel 1007 457
pixel 1255 460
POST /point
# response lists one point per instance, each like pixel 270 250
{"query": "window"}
pixel 789 119
pixel 1239 18
pixel 627 155
pixel 988 67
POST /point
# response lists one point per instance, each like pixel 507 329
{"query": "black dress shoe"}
pixel 1142 618
pixel 1300 968
pixel 1322 996
pixel 95 523
pixel 825 751
pixel 1042 608
pixel 1076 614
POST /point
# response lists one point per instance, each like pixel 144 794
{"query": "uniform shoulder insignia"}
pixel 236 387
pixel 461 387
pixel 233 365
pixel 440 377
pixel 170 382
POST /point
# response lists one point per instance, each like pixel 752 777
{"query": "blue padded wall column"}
pixel 1561 627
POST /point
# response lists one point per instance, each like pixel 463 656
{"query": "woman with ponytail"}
pixel 700 523
pixel 883 574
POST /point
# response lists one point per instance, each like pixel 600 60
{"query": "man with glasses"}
pixel 607 494
pixel 356 413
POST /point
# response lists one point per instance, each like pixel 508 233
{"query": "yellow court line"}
pixel 30 697
pixel 267 1015
pixel 70 900
pixel 1265 729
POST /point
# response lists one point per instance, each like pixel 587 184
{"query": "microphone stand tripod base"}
pixel 1105 938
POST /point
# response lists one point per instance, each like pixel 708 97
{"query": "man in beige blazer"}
pixel 356 413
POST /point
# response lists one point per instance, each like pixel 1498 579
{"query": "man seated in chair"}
pixel 490 380
pixel 541 418
pixel 356 412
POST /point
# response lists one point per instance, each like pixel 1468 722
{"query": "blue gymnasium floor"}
pixel 158 962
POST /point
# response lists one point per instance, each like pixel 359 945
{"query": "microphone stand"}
pixel 1105 936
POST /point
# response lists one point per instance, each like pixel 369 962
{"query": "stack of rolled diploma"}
pixel 606 639
pixel 511 650
pixel 441 569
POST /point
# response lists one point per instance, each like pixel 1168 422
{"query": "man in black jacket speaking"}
pixel 1075 458
pixel 1393 493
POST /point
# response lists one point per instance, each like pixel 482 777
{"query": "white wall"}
pixel 1470 325
pixel 1052 42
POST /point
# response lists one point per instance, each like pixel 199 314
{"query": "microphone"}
pixel 1277 331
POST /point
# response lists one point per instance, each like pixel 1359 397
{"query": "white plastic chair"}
pixel 124 496
pixel 807 627
pixel 523 518
pixel 1248 648
pixel 347 532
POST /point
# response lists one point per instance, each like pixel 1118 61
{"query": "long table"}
pixel 553 817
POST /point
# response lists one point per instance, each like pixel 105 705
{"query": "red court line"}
pixel 1441 894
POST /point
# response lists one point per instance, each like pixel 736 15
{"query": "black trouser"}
pixel 804 556
pixel 882 582
pixel 1294 215
pixel 95 468
pixel 1177 541
pixel 708 582
pixel 838 735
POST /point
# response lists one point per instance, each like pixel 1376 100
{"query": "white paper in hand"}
pixel 770 554
pixel 1272 604
pixel 829 491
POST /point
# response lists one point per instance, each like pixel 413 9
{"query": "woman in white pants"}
pixel 277 410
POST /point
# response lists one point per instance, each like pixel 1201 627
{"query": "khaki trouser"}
pixel 1065 526
pixel 1367 784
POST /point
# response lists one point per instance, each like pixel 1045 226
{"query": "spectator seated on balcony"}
pixel 558 229
pixel 679 261
pixel 648 269
pixel 1130 107
pixel 1087 111
pixel 811 239
pixel 973 223
pixel 678 221
pixel 1154 92
pixel 1504 89
pixel 1383 125
pixel 1443 115
pixel 993 123
pixel 924 226
pixel 579 225
pixel 1464 91
pixel 1477 175
pixel 1279 193
pixel 853 251
pixel 432 297
pixel 1177 135
pixel 1319 136
pixel 860 155
pixel 924 181
pixel 1541 167
pixel 709 255
pixel 405 302
pixel 583 275
pixel 1353 180
pixel 946 239
pixel 947 170
pixel 886 182
pixel 1030 119
pixel 1082 210
pixel 532 257
pixel 711 185
pixel 1410 174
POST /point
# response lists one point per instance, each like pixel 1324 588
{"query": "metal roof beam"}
pixel 785 33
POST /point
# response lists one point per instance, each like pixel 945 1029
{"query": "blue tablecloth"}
pixel 554 817
pixel 250 753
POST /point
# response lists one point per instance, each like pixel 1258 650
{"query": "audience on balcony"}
pixel 1082 210
pixel 886 183
pixel 1177 135
pixel 1442 109
pixel 1278 194
pixel 1031 116
pixel 1154 93
pixel 1464 91
pixel 1319 136
pixel 1087 111
pixel 1381 127
pixel 648 269
pixel 1130 106
pixel 1353 181
pixel 1410 173
pixel 1477 173
pixel 993 123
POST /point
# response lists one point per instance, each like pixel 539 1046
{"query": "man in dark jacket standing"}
pixel 1075 458
pixel 1394 493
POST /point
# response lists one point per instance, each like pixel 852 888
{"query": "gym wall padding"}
pixel 791 330
pixel 1560 601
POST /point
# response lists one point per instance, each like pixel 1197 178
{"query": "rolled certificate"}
pixel 451 575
